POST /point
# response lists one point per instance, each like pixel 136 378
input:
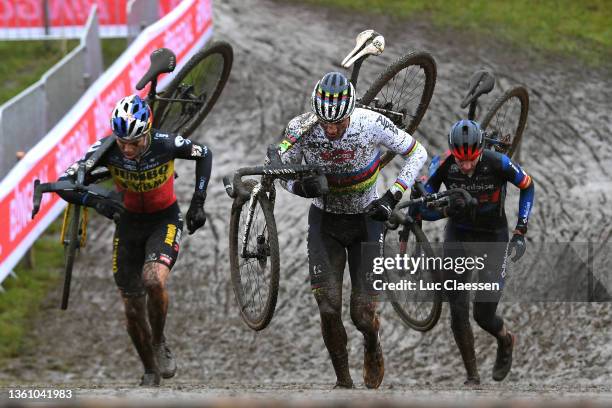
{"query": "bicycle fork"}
pixel 249 222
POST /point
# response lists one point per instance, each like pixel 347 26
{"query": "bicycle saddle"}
pixel 162 61
pixel 481 82
pixel 368 42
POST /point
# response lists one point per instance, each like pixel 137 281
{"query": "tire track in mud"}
pixel 280 51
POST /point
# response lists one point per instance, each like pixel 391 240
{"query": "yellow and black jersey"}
pixel 148 183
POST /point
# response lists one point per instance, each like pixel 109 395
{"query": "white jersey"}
pixel 352 162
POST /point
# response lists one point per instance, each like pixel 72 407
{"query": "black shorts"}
pixel 141 238
pixel 335 238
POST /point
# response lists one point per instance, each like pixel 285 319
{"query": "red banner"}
pixel 166 6
pixel 30 13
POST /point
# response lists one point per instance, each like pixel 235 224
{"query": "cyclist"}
pixel 484 174
pixel 149 225
pixel 346 210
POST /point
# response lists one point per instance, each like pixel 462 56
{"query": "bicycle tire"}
pixel 70 249
pixel 495 113
pixel 243 289
pixel 432 309
pixel 179 117
pixel 427 63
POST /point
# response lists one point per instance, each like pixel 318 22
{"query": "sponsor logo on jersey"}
pixel 472 187
pixel 201 183
pixel 387 124
pixel 141 181
pixel 338 156
pixel 180 141
pixel 322 144
pixel 197 151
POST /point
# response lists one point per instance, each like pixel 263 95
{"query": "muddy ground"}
pixel 280 51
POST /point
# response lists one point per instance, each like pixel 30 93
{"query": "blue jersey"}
pixel 487 184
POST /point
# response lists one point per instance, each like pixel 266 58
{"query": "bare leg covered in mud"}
pixel 329 300
pixel 154 276
pixel 366 320
pixel 139 331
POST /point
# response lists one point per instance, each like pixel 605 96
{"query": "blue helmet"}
pixel 333 98
pixel 132 118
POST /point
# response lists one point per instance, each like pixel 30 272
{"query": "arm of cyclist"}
pixel 291 153
pixel 105 207
pixel 189 150
pixel 517 176
pixel 415 156
pixel 437 169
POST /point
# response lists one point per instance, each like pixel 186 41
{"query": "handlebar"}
pixel 398 218
pixel 66 185
pixel 236 187
pixel 273 167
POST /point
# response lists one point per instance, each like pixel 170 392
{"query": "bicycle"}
pixel 402 92
pixel 179 108
pixel 504 136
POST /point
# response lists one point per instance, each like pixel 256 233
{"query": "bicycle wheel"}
pixel 506 119
pixel 70 247
pixel 255 274
pixel 406 86
pixel 419 310
pixel 198 84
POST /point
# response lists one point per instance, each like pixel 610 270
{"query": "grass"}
pixel 566 27
pixel 22 297
pixel 112 49
pixel 24 62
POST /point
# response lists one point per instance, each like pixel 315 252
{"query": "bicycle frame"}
pixel 239 192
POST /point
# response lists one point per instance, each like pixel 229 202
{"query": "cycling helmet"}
pixel 466 140
pixel 132 118
pixel 333 98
